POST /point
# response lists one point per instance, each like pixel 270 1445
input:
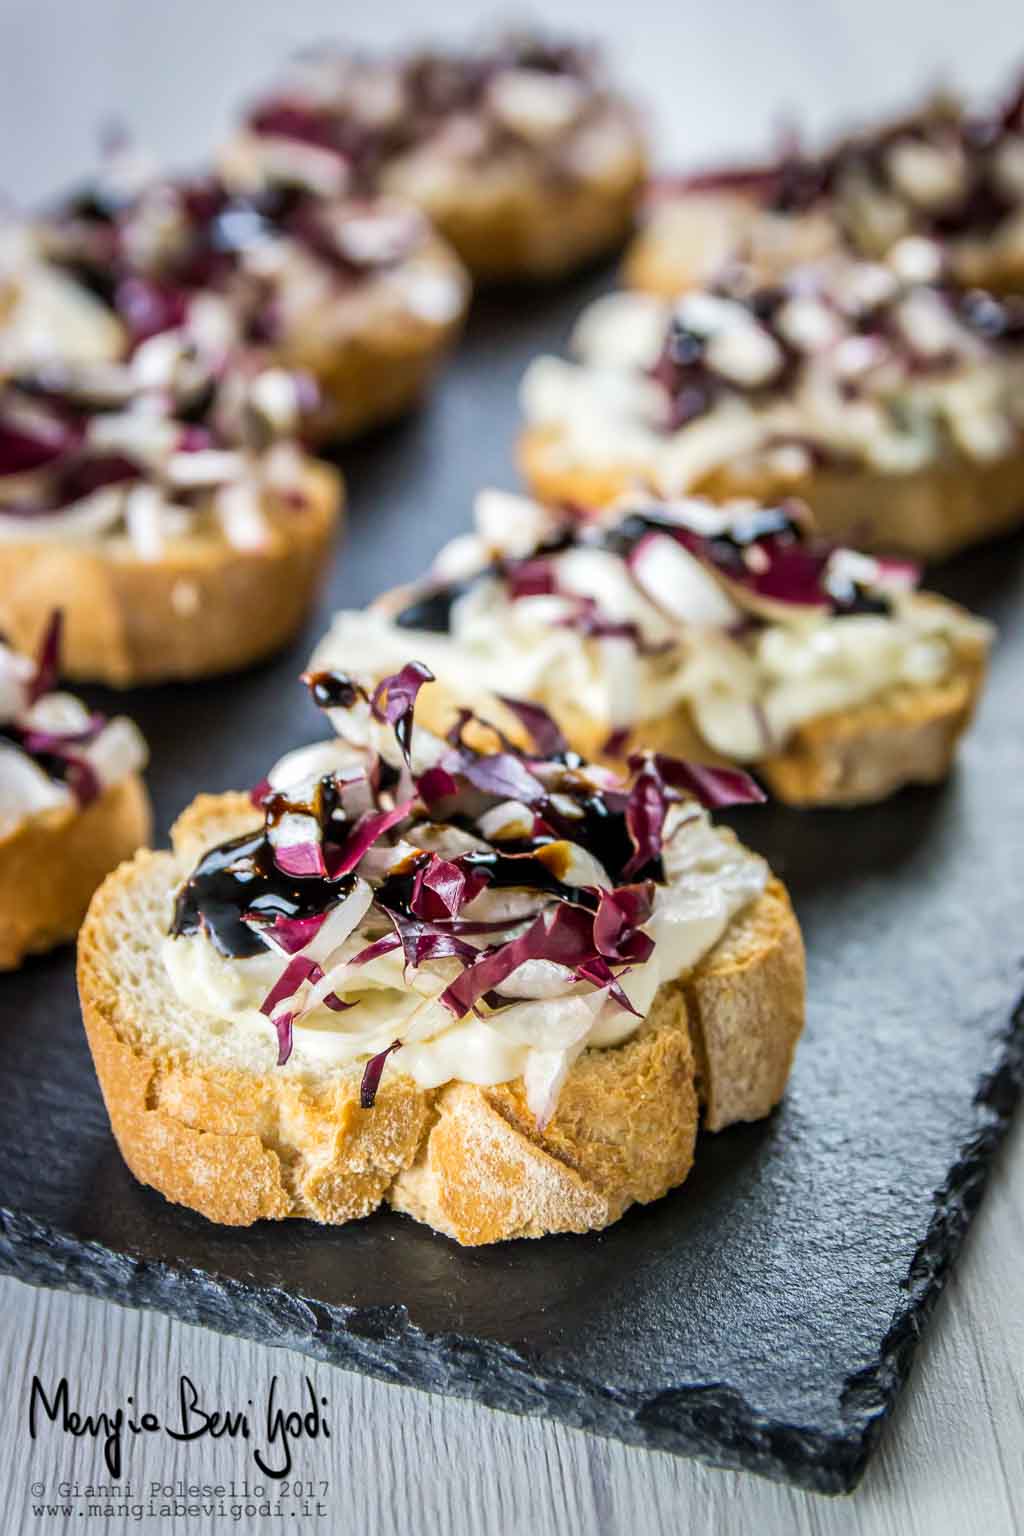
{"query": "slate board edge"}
pixel 712 1423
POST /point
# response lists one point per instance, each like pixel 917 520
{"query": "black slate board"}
pixel 765 1315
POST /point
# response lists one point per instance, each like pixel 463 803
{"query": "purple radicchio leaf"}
pixel 544 732
pixel 715 788
pixel 29 445
pixel 81 779
pixel 372 1074
pixel 283 1025
pixel 291 934
pixel 381 946
pixel 455 730
pixel 422 940
pixel 902 574
pixel 616 741
pixel 363 836
pixel 778 564
pixel 530 578
pixel 47 658
pixel 299 969
pixel 646 810
pixel 436 784
pixel 564 935
pixel 332 1001
pixel 304 860
pixel 588 620
pixel 659 781
pixel 600 975
pixel 79 775
pixel 618 934
pixel 148 307
pixel 58 741
pixel 394 700
pixel 259 792
pixel 442 888
pixel 499 774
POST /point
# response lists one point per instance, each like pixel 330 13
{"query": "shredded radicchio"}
pixel 660 780
pixel 59 753
pixel 442 888
pixel 372 1074
pixel 545 734
pixel 394 700
pixel 289 898
pixel 364 834
pixel 48 658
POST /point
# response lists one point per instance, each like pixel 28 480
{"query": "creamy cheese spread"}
pixel 546 1017
pixel 673 633
pixel 855 364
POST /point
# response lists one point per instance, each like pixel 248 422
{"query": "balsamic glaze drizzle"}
pixel 242 876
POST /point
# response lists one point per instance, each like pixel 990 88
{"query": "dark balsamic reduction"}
pixel 724 550
pixel 431 611
pixel 333 690
pixel 241 876
pixel 519 864
pixel 325 802
pixel 603 832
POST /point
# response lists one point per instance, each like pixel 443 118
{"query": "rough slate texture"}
pixel 765 1315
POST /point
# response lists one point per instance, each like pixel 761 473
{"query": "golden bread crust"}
pixel 51 863
pixel 205 608
pixel 240 1146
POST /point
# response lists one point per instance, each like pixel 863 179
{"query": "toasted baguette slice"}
pixel 688 239
pixel 51 863
pixel 517 222
pixel 205 1117
pixel 927 514
pixel 206 607
pixel 376 371
pixel 907 735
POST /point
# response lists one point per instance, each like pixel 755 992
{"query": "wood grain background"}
pixel 716 78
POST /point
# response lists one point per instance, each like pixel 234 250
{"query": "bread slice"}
pixel 206 607
pixel 240 1140
pixel 906 735
pixel 509 223
pixel 690 238
pixel 375 371
pixel 51 863
pixel 927 514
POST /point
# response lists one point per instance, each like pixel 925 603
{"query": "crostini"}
pixel 491 986
pixel 72 803
pixel 360 293
pixel 165 506
pixel 722 633
pixel 945 172
pixel 889 401
pixel 518 153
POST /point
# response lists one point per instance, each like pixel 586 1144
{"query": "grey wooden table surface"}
pixel 397 1460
